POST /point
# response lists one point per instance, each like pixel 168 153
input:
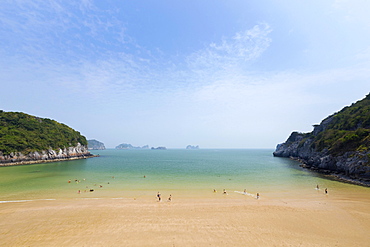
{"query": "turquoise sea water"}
pixel 184 173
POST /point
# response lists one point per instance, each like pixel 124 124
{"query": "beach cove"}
pixel 47 210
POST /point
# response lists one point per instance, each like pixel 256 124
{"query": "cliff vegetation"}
pixel 20 132
pixel 340 144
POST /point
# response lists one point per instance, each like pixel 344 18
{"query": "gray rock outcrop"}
pixel 15 158
pixel 351 166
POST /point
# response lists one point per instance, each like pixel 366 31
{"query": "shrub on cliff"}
pixel 347 130
pixel 20 132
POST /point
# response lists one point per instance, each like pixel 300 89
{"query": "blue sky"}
pixel 219 74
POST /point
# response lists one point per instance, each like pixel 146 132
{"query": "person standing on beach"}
pixel 159 196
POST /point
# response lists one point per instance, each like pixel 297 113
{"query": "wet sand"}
pixel 233 220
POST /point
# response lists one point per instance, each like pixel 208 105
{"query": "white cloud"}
pixel 60 30
pixel 243 47
pixel 277 102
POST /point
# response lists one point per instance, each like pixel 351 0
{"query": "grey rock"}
pixel 350 166
pixel 43 155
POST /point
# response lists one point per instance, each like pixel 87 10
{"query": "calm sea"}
pixel 182 173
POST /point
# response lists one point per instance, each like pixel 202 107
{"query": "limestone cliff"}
pixel 339 145
pixel 18 158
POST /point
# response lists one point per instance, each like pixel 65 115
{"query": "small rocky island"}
pixel 129 146
pixel 26 139
pixel 159 148
pixel 192 147
pixel 338 146
pixel 95 145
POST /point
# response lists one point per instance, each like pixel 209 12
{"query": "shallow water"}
pixel 186 173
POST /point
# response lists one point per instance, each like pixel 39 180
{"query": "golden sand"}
pixel 213 221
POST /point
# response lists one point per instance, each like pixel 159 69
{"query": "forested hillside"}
pixel 347 130
pixel 20 132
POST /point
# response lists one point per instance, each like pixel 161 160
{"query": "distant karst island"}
pixel 26 139
pixel 159 148
pixel 192 147
pixel 339 145
pixel 129 146
pixel 95 145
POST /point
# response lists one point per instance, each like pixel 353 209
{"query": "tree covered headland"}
pixel 20 132
pixel 347 130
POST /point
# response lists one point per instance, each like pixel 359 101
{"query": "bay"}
pixel 183 173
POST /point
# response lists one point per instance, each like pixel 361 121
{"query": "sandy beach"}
pixel 212 221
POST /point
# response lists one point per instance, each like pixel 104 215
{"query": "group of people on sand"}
pixel 159 197
pixel 244 193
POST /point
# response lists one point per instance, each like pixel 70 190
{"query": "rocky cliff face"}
pixel 14 158
pixel 339 145
pixel 352 166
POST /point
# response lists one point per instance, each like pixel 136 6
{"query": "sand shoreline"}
pixel 220 221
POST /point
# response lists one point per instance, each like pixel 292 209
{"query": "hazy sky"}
pixel 219 74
